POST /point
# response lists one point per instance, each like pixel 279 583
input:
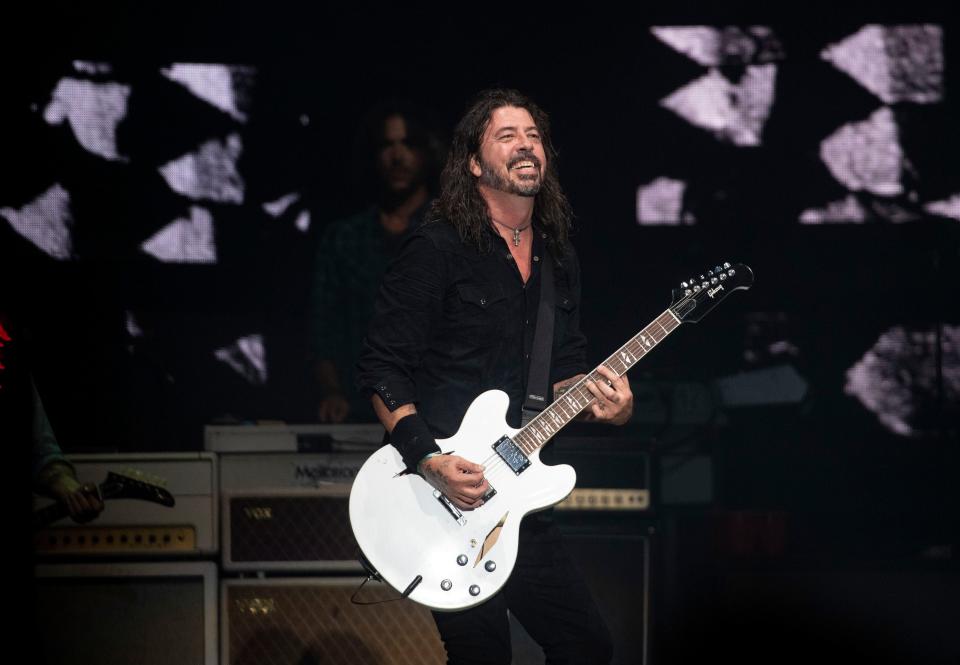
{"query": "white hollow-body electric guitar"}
pixel 449 559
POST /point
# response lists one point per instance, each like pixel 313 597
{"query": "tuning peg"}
pixel 684 285
pixel 726 265
pixel 709 273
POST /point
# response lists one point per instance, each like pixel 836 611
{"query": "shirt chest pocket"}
pixel 478 312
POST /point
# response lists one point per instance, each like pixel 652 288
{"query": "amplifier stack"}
pixel 257 555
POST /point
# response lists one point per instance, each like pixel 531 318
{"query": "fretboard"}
pixel 566 407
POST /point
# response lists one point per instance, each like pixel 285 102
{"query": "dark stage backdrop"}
pixel 168 177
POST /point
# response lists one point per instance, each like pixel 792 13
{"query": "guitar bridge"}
pixel 452 509
pixel 510 453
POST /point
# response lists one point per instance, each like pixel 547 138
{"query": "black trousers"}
pixel 547 594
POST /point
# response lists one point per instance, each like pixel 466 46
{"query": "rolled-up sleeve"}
pixel 407 309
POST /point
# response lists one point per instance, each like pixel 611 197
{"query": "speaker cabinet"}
pixel 290 530
pixel 126 613
pixel 613 554
pixel 294 621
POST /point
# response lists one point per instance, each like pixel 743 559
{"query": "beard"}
pixel 490 177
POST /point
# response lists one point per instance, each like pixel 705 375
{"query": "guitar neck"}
pixel 568 406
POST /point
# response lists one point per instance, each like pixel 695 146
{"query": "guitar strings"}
pixel 494 465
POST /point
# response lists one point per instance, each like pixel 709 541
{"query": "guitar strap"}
pixel 538 381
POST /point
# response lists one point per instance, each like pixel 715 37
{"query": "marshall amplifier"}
pixel 285 492
pixel 312 620
pixel 282 438
pixel 285 530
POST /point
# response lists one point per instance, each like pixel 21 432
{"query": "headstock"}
pixel 133 484
pixel 697 296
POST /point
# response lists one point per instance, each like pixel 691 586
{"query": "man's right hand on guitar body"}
pixel 458 479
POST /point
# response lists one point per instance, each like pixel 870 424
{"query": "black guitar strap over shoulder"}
pixel 538 382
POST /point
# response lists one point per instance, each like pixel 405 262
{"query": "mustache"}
pixel 524 157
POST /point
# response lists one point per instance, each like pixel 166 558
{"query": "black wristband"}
pixel 413 439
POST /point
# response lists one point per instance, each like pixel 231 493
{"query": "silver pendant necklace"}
pixel 516 231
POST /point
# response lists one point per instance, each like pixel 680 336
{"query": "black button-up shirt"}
pixel 451 321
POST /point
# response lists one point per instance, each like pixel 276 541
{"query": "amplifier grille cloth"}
pixel 297 624
pixel 291 529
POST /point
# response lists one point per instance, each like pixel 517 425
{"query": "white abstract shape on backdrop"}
pixel 247 357
pixel 712 47
pixel 866 155
pixel 845 211
pixel 733 112
pixel 897 63
pixel 210 173
pixel 947 208
pixel 280 206
pixel 185 240
pixel 93 110
pixel 133 328
pixel 90 67
pixel 660 202
pixel 899 373
pixel 226 87
pixel 45 222
pixel 302 222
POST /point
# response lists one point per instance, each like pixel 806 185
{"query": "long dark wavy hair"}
pixel 460 202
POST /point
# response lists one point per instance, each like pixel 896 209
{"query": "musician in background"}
pixel 52 474
pixel 397 156
pixel 455 316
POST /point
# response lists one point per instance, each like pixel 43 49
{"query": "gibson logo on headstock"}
pixel 710 292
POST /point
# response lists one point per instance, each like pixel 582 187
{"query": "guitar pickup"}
pixel 510 453
pixel 452 509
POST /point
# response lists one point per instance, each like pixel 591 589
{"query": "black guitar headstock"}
pixel 132 484
pixel 697 296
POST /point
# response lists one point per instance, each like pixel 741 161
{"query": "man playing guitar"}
pixel 456 316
